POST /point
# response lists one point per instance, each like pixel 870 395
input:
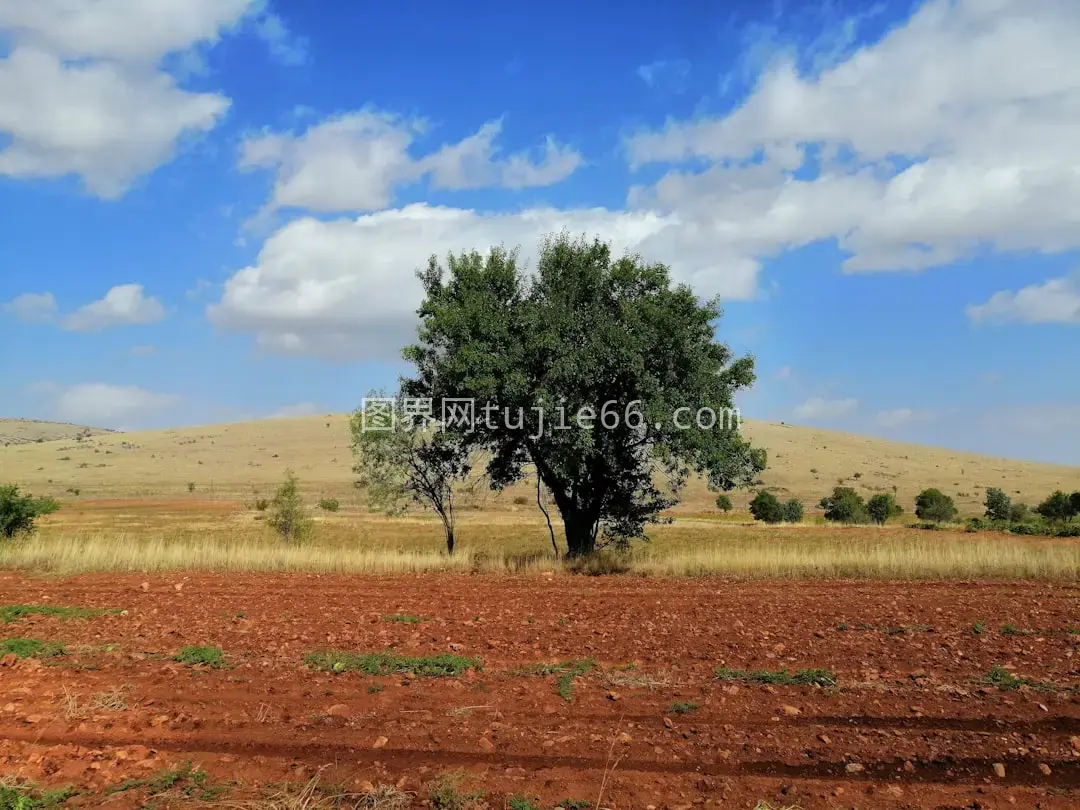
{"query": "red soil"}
pixel 907 726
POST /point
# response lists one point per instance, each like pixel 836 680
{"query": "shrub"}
pixel 883 506
pixel 329 504
pixel 845 505
pixel 262 504
pixel 975 524
pixel 521 500
pixel 18 512
pixel 1057 508
pixel 1019 513
pixel 933 504
pixel 723 503
pixel 767 507
pixel 191 486
pixel 288 517
pixel 998 505
pixel 793 511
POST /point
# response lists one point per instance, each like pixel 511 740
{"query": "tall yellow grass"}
pixel 882 554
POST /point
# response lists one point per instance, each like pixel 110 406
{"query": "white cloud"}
pixel 894 418
pixel 346 288
pixel 963 128
pixel 820 408
pixel 84 89
pixel 103 404
pixel 125 305
pixel 284 46
pixel 665 75
pixel 1053 301
pixel 355 162
pixel 32 307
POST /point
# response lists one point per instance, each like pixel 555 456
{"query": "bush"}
pixel 1019 513
pixel 191 486
pixel 883 506
pixel 793 511
pixel 767 507
pixel 976 524
pixel 329 504
pixel 288 517
pixel 1057 508
pixel 845 505
pixel 933 504
pixel 262 504
pixel 18 512
pixel 998 505
pixel 723 503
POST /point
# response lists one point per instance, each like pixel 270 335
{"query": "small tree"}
pixel 288 515
pixel 1057 508
pixel 767 507
pixel 18 512
pixel 723 503
pixel 793 511
pixel 883 506
pixel 933 504
pixel 1019 513
pixel 845 505
pixel 998 505
pixel 404 465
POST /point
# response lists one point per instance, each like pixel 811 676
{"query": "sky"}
pixel 212 210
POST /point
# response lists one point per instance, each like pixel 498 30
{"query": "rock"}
pixel 179 586
pixel 1075 743
pixel 668 723
pixel 854 767
pixel 487 744
pixel 159 720
pixel 917 710
pixel 999 770
pixel 1044 769
pixel 612 695
pixel 9 707
pixel 909 766
pixel 144 587
pixel 825 739
pixel 380 742
pixel 790 711
pixel 838 792
pixel 338 710
pixel 624 737
pixel 9 660
pixel 894 790
pixel 33 719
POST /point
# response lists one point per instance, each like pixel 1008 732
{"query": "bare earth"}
pixel 908 725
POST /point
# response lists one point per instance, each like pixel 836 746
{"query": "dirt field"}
pixel 908 723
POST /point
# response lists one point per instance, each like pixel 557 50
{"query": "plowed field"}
pixel 635 716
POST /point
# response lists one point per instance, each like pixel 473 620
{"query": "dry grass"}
pixel 313 796
pixel 110 701
pixel 241 459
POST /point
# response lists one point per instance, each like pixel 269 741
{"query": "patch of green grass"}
pixel 800 677
pixel 206 655
pixel 446 794
pixel 188 781
pixel 681 707
pixel 375 688
pixel 12 613
pixel 842 626
pixel 979 628
pixel 16 795
pixel 31 648
pixel 567 671
pixel 575 804
pixel 517 802
pixel 404 618
pixel 389 663
pixel 1007 682
pixel 1013 630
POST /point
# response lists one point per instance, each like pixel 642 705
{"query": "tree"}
pixel 793 511
pixel 1019 513
pixel 1057 508
pixel 288 515
pixel 592 372
pixel 723 503
pixel 407 465
pixel 998 505
pixel 933 504
pixel 766 507
pixel 883 506
pixel 845 505
pixel 1074 500
pixel 18 512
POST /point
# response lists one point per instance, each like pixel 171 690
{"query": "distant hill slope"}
pixel 26 431
pixel 241 459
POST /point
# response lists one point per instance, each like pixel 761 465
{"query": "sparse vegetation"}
pixel 31 648
pixel 566 672
pixel 288 515
pixel 390 663
pixel 1007 682
pixel 329 504
pixel 21 795
pixel 201 655
pixel 723 503
pixel 18 512
pixel 12 613
pixel 800 677
pixel 445 793
pixel 681 707
pixel 403 618
pixel 185 782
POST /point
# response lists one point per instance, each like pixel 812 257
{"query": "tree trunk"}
pixel 580 534
pixel 449 530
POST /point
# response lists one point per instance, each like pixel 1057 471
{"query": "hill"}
pixel 242 459
pixel 27 431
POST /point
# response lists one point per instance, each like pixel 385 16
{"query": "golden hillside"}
pixel 25 431
pixel 240 459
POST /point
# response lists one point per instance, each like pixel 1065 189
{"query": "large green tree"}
pixel 585 335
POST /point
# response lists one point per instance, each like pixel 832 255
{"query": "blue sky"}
pixel 212 209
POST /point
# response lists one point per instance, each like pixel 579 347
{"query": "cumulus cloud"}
pixel 84 90
pixel 819 408
pixel 960 127
pixel 346 288
pixel 355 162
pixel 105 405
pixel 284 46
pixel 32 307
pixel 1053 301
pixel 125 305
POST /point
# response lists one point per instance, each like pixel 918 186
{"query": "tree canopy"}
pixel 593 371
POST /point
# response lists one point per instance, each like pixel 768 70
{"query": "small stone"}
pixel 144 587
pixel 612 695
pixel 624 737
pixel 909 766
pixel 917 710
pixel 1044 769
pixel 999 770
pixel 159 720
pixel 487 744
pixel 668 723
pixel 33 718
pixel 1075 743
pixel 825 739
pixel 790 711
pixel 838 792
pixel 338 710
pixel 854 767
pixel 894 790
pixel 380 742
pixel 9 660
pixel 179 586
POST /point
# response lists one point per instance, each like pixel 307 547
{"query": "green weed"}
pixel 800 677
pixel 389 663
